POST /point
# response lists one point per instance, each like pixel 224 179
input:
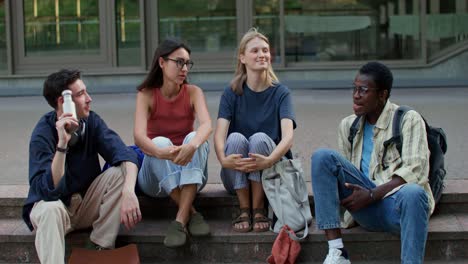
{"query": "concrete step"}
pixel 454 261
pixel 447 241
pixel 214 202
pixel 460 261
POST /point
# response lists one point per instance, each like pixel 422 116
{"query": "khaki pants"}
pixel 100 208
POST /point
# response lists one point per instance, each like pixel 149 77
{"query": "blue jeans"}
pixel 158 177
pixel 405 212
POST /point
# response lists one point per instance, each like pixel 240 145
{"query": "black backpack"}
pixel 437 143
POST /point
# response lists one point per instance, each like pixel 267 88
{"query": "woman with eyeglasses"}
pixel 254 129
pixel 176 153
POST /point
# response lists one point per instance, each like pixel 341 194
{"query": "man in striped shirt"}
pixel 388 193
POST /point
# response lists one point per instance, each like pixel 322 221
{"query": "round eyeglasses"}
pixel 181 62
pixel 362 90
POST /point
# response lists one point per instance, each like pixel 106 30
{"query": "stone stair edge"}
pixel 456 191
pixel 452 261
pixel 446 242
pixel 441 227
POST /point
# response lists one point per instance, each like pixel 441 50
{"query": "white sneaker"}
pixel 334 257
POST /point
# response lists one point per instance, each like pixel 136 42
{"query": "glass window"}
pixel 128 32
pixel 447 24
pixel 61 27
pixel 3 54
pixel 347 30
pixel 208 26
pixel 266 19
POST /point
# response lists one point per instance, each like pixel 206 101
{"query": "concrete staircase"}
pixel 447 241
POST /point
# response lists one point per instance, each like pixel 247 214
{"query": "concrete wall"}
pixel 448 73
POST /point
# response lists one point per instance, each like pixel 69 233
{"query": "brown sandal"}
pixel 260 219
pixel 240 219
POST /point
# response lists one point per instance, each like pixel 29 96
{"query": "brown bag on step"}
pixel 123 255
pixel 285 250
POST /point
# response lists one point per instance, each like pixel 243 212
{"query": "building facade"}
pixel 314 43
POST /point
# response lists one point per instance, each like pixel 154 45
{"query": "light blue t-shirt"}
pixel 367 147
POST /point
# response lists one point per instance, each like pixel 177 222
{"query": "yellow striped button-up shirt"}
pixel 412 165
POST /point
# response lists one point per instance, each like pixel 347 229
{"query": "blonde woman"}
pixel 254 129
pixel 175 153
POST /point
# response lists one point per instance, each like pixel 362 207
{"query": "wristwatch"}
pixel 63 150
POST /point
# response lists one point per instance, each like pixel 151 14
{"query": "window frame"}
pixel 352 64
pixel 204 61
pixel 114 44
pixel 106 62
pixel 36 64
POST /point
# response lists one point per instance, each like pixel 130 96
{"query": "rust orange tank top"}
pixel 171 118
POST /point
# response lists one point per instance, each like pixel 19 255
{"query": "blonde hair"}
pixel 240 76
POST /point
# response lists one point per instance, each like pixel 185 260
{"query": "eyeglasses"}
pixel 362 90
pixel 181 62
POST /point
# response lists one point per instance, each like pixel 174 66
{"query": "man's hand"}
pixel 185 155
pixel 360 198
pixel 65 124
pixel 130 213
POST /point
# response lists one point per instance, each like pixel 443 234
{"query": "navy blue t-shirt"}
pixel 254 112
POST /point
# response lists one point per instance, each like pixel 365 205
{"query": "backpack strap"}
pixel 397 137
pixel 353 131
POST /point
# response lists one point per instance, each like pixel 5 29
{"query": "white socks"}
pixel 335 243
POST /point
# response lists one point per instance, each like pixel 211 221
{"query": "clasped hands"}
pixel 255 162
pixel 180 155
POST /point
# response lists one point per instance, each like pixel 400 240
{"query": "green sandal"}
pixel 260 219
pixel 241 219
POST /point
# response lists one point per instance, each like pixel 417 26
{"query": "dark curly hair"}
pixel 381 74
pixel 56 83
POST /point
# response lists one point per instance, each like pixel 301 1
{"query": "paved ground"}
pixel 318 113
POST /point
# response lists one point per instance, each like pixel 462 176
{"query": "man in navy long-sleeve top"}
pixel 67 190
